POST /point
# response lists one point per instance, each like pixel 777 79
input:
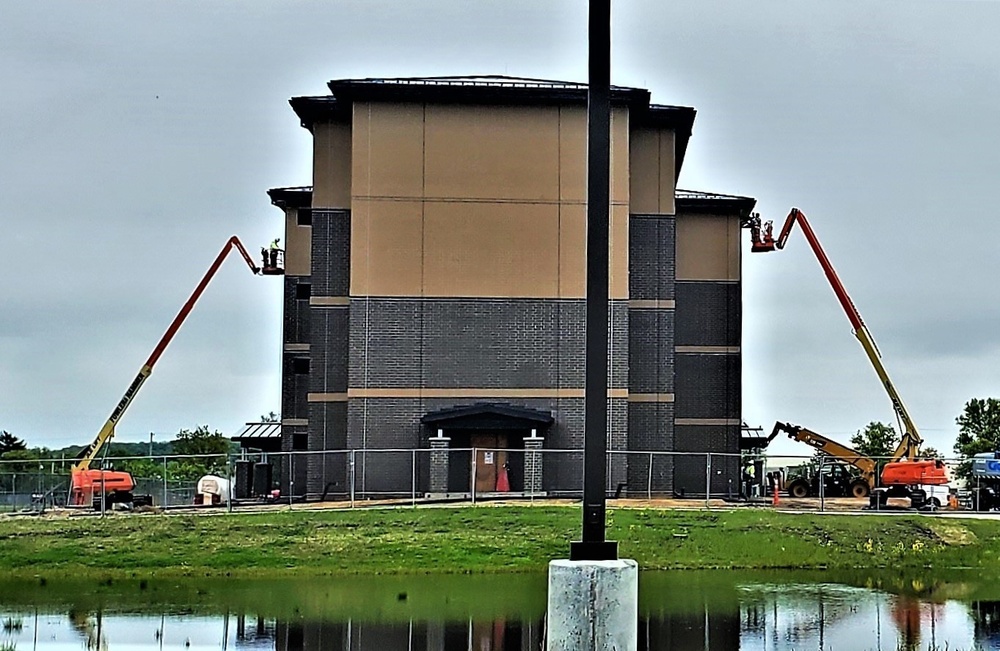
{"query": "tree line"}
pixel 198 442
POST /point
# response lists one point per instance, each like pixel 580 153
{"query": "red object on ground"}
pixel 503 484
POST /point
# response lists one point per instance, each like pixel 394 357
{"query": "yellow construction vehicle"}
pixel 838 482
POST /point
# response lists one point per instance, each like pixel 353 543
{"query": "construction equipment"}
pixel 904 472
pixel 108 488
pixel 984 488
pixel 839 482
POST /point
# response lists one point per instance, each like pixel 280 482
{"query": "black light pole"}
pixel 593 546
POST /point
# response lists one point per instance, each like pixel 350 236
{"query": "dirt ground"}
pixel 786 504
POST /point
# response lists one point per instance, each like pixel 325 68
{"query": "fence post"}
pixel 649 480
pixel 708 479
pixel 229 478
pixel 350 468
pixel 413 478
pixel 164 481
pixel 822 487
pixel 472 478
pixel 291 477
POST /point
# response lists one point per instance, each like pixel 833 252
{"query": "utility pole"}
pixel 593 546
pixel 150 444
pixel 593 597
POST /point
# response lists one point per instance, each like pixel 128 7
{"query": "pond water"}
pixel 678 610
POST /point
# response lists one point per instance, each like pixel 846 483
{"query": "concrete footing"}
pixel 592 606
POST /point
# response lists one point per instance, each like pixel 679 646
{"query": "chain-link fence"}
pixel 354 477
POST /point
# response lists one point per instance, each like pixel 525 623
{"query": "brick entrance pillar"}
pixel 439 462
pixel 533 463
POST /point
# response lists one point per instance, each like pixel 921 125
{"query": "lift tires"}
pixel 798 489
pixel 860 489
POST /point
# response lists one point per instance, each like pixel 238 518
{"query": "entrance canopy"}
pixel 491 416
pixel 265 437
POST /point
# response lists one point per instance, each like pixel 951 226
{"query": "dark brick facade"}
pixel 394 424
pixel 331 252
pixel 481 343
pixel 295 321
pixel 652 258
pixel 709 313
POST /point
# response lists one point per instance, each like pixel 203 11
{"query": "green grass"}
pixel 479 539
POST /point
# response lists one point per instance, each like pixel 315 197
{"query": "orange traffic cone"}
pixel 775 500
pixel 503 483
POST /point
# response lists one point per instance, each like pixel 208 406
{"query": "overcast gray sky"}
pixel 135 138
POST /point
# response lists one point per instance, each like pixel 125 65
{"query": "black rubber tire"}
pixel 798 489
pixel 860 488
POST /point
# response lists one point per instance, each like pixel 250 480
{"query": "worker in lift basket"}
pixel 273 250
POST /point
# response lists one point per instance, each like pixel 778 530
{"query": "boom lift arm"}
pixel 910 439
pixel 91 452
pixel 839 451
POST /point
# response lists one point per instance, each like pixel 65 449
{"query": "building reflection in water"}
pixel 747 617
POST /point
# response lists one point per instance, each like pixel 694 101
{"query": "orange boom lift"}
pixel 905 472
pixel 88 486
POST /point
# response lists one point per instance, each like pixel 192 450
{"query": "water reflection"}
pixel 679 611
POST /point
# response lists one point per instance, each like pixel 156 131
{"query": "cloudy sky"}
pixel 135 138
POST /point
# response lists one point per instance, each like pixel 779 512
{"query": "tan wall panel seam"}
pixel 290 422
pixel 708 350
pixel 326 397
pixel 707 421
pixel 296 348
pixel 650 397
pixel 403 392
pixel 643 304
pixel 322 301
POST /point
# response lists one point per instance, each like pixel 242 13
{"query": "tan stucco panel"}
pixel 298 245
pixel 652 171
pixel 708 247
pixel 619 156
pixel 386 248
pixel 331 165
pixel 490 249
pixel 668 171
pixel 573 154
pixel 492 152
pixel 573 252
pixel 388 150
pixel 618 252
pixel 644 168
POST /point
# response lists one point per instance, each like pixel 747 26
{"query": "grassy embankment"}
pixel 482 539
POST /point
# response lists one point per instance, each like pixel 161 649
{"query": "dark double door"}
pixel 494 458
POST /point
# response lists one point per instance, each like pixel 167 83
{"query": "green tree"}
pixel 931 453
pixel 269 417
pixel 876 440
pixel 209 450
pixel 200 441
pixel 978 431
pixel 9 443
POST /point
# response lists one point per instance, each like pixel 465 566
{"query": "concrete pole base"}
pixel 592 606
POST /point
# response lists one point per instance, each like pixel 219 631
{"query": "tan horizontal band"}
pixel 297 348
pixel 527 202
pixel 707 421
pixel 650 397
pixel 294 422
pixel 329 300
pixel 666 304
pixel 473 393
pixel 708 350
pixel 326 397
